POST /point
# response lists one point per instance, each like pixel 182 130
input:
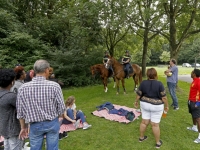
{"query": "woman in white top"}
pixel 73 116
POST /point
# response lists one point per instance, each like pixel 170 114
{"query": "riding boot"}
pixel 127 75
pixel 113 74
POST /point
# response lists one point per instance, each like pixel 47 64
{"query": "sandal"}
pixel 141 140
pixel 159 145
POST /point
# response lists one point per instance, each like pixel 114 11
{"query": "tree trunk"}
pixel 144 56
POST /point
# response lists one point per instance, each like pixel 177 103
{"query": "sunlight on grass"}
pixel 109 135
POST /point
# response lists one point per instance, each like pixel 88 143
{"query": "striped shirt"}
pixel 39 100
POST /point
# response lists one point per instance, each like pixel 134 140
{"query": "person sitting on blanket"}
pixel 73 116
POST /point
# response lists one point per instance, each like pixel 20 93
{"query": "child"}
pixel 73 116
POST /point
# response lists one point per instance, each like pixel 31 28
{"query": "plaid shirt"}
pixel 40 100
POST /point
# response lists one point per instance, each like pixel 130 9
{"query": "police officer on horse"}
pixel 105 59
pixel 126 59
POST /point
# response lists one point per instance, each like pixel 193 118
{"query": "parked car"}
pixel 186 65
pixel 197 65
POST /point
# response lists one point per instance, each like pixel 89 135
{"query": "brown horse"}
pixel 120 74
pixel 104 73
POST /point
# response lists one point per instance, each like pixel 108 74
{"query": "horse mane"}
pixel 115 61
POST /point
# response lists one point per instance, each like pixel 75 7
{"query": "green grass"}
pixel 111 135
pixel 182 70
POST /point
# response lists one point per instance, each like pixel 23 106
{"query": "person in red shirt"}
pixel 194 103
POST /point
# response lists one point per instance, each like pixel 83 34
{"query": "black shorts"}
pixel 195 111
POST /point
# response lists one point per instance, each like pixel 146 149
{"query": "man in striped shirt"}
pixel 40 103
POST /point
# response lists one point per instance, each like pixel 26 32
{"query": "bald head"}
pixel 40 66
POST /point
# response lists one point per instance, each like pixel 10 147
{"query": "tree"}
pixel 165 56
pixel 144 19
pixel 115 23
pixel 183 19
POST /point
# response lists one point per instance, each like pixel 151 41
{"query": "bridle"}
pixel 107 64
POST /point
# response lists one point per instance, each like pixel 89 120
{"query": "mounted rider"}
pixel 105 59
pixel 126 59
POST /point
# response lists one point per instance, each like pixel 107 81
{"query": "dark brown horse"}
pixel 104 74
pixel 120 74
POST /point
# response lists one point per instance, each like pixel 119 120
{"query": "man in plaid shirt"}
pixel 40 103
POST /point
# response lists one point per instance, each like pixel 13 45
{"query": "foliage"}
pixel 165 56
pixel 73 69
pixel 16 45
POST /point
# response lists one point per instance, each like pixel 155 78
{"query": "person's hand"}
pixel 23 134
pixel 136 104
pixel 73 121
pixel 166 109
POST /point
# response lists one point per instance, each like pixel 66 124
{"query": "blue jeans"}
pixel 172 91
pixel 39 129
pixel 70 114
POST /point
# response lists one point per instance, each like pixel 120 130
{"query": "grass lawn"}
pixel 110 135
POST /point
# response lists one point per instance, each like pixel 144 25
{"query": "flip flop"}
pixel 141 140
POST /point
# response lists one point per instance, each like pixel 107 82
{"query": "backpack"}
pixel 130 116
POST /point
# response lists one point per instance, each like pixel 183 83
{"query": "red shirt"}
pixel 195 90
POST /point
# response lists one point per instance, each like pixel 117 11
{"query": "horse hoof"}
pixel 117 93
pixel 124 92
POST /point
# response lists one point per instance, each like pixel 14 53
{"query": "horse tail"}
pixel 140 76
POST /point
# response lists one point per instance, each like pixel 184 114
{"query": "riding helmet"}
pixel 106 52
pixel 127 51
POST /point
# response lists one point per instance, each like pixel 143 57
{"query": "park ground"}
pixel 111 135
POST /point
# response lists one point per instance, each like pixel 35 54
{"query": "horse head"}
pixel 109 63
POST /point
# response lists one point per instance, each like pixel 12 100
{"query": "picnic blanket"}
pixel 114 117
pixel 68 127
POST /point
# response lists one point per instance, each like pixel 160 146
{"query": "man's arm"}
pixel 24 129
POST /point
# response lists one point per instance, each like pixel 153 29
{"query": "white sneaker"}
pixel 77 123
pixel 138 110
pixel 86 126
pixel 197 140
pixel 26 146
pixel 192 129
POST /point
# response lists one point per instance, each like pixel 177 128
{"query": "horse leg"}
pixel 105 84
pixel 135 78
pixel 114 82
pixel 123 85
pixel 117 81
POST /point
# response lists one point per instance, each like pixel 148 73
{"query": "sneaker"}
pixel 176 108
pixel 77 123
pixel 65 134
pixel 86 126
pixel 60 136
pixel 192 129
pixel 159 145
pixel 197 140
pixel 141 140
pixel 138 110
pixel 25 147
